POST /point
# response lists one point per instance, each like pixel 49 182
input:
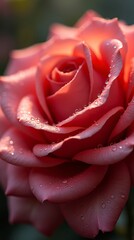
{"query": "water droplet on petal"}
pixel 103 205
pixel 114 148
pixel 109 75
pixel 64 181
pixel 115 47
pixel 96 102
pixel 120 147
pixel 11 142
pixel 96 123
pixel 12 153
pixel 41 185
pixel 112 196
pixel 122 196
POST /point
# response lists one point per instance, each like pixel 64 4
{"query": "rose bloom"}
pixel 67 127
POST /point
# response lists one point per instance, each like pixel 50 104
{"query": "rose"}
pixel 67 122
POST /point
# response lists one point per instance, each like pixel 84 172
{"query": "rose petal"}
pixel 101 29
pixel 86 18
pixel 100 209
pixel 24 59
pixel 71 102
pixel 29 115
pixel 3 175
pixel 45 217
pixel 13 88
pixel 15 148
pixel 130 163
pixel 125 120
pixel 107 155
pixel 130 92
pixel 90 137
pixel 66 182
pixel 4 124
pixel 17 181
pixel 59 30
pixel 105 100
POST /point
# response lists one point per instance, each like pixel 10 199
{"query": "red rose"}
pixel 67 122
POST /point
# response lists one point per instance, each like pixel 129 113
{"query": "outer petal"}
pixel 66 182
pixel 17 181
pixel 101 29
pixel 100 209
pixel 126 119
pixel 15 148
pixel 108 155
pixel 130 163
pixel 45 217
pixel 86 18
pixel 13 88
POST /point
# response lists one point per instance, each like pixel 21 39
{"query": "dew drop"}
pixel 96 123
pixel 41 185
pixel 109 75
pixel 106 82
pixel 12 153
pixel 64 181
pixel 103 205
pixel 120 147
pixel 96 102
pixel 11 142
pixel 112 196
pixel 114 148
pixel 122 196
pixel 115 47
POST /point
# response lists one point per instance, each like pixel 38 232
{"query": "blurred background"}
pixel 23 23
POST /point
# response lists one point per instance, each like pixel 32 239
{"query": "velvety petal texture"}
pixel 67 127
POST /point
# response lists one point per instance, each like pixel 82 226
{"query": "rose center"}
pixel 68 67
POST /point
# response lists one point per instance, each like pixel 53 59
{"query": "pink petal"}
pixel 101 208
pixel 45 217
pixel 15 148
pixel 24 59
pixel 66 182
pixel 70 96
pixel 86 18
pixel 97 133
pixel 125 120
pixel 130 86
pixel 4 124
pixel 109 154
pixel 30 115
pixel 101 29
pixel 105 100
pixel 130 163
pixel 17 181
pixel 59 30
pixel 13 88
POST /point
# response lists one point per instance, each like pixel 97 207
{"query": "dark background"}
pixel 23 23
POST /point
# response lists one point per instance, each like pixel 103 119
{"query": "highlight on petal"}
pixel 101 29
pixel 45 217
pixel 101 209
pixel 105 100
pixel 66 182
pixel 17 181
pixel 86 18
pixel 109 154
